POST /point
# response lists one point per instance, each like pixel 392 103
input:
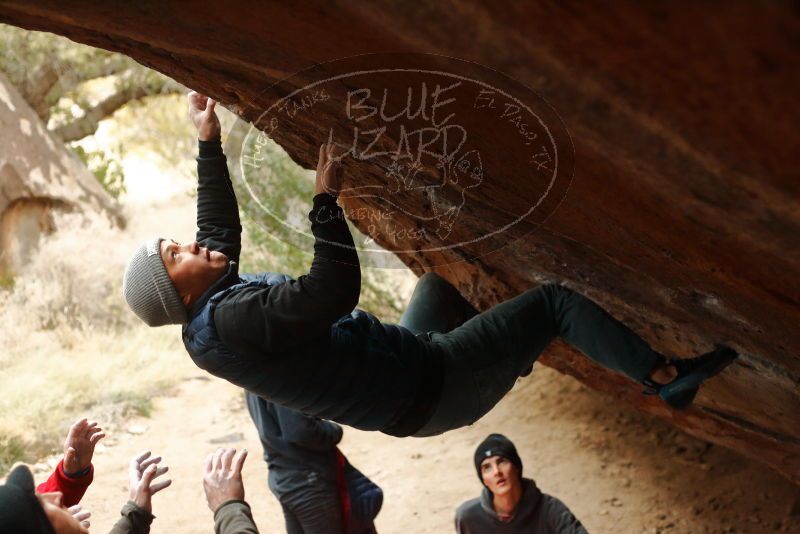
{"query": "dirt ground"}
pixel 618 471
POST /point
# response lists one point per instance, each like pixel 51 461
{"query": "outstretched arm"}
pixel 74 472
pixel 256 321
pixel 224 490
pixel 218 226
pixel 137 513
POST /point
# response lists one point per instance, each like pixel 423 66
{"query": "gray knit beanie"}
pixel 148 289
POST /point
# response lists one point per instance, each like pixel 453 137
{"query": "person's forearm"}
pixel 258 321
pixel 72 488
pixel 332 432
pixel 234 517
pixel 335 273
pixel 326 435
pixel 218 225
pixel 134 520
pixel 307 431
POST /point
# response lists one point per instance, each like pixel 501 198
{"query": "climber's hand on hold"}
pixel 204 118
pixel 328 170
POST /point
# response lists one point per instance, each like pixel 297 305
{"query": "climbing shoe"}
pixel 692 372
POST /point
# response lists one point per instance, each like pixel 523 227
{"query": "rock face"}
pixel 681 214
pixel 38 177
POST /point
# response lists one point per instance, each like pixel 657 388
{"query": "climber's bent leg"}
pixel 485 355
pixel 585 325
pixel 436 306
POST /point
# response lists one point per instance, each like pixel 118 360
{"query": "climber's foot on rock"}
pixel 687 375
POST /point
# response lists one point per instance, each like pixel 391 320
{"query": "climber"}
pixel 301 343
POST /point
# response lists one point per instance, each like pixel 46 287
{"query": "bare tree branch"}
pixel 129 89
pixel 37 87
pixel 101 67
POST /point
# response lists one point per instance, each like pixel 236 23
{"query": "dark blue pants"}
pixel 312 511
pixel 305 479
pixel 486 352
pixel 317 509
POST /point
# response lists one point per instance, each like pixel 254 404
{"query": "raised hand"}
pixel 204 118
pixel 142 470
pixel 328 170
pixel 222 480
pixel 79 446
pixel 80 515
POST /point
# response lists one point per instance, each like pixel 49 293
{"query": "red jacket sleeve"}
pixel 72 488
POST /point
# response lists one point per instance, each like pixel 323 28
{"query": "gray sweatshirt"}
pixel 536 512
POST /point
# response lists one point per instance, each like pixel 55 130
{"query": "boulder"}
pixel 39 177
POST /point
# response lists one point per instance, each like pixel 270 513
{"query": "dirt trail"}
pixel 617 470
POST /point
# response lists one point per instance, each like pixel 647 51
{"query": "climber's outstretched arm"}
pixel 256 321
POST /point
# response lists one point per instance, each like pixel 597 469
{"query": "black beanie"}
pixel 496 445
pixel 20 510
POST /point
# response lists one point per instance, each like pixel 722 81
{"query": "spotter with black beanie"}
pixel 510 503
